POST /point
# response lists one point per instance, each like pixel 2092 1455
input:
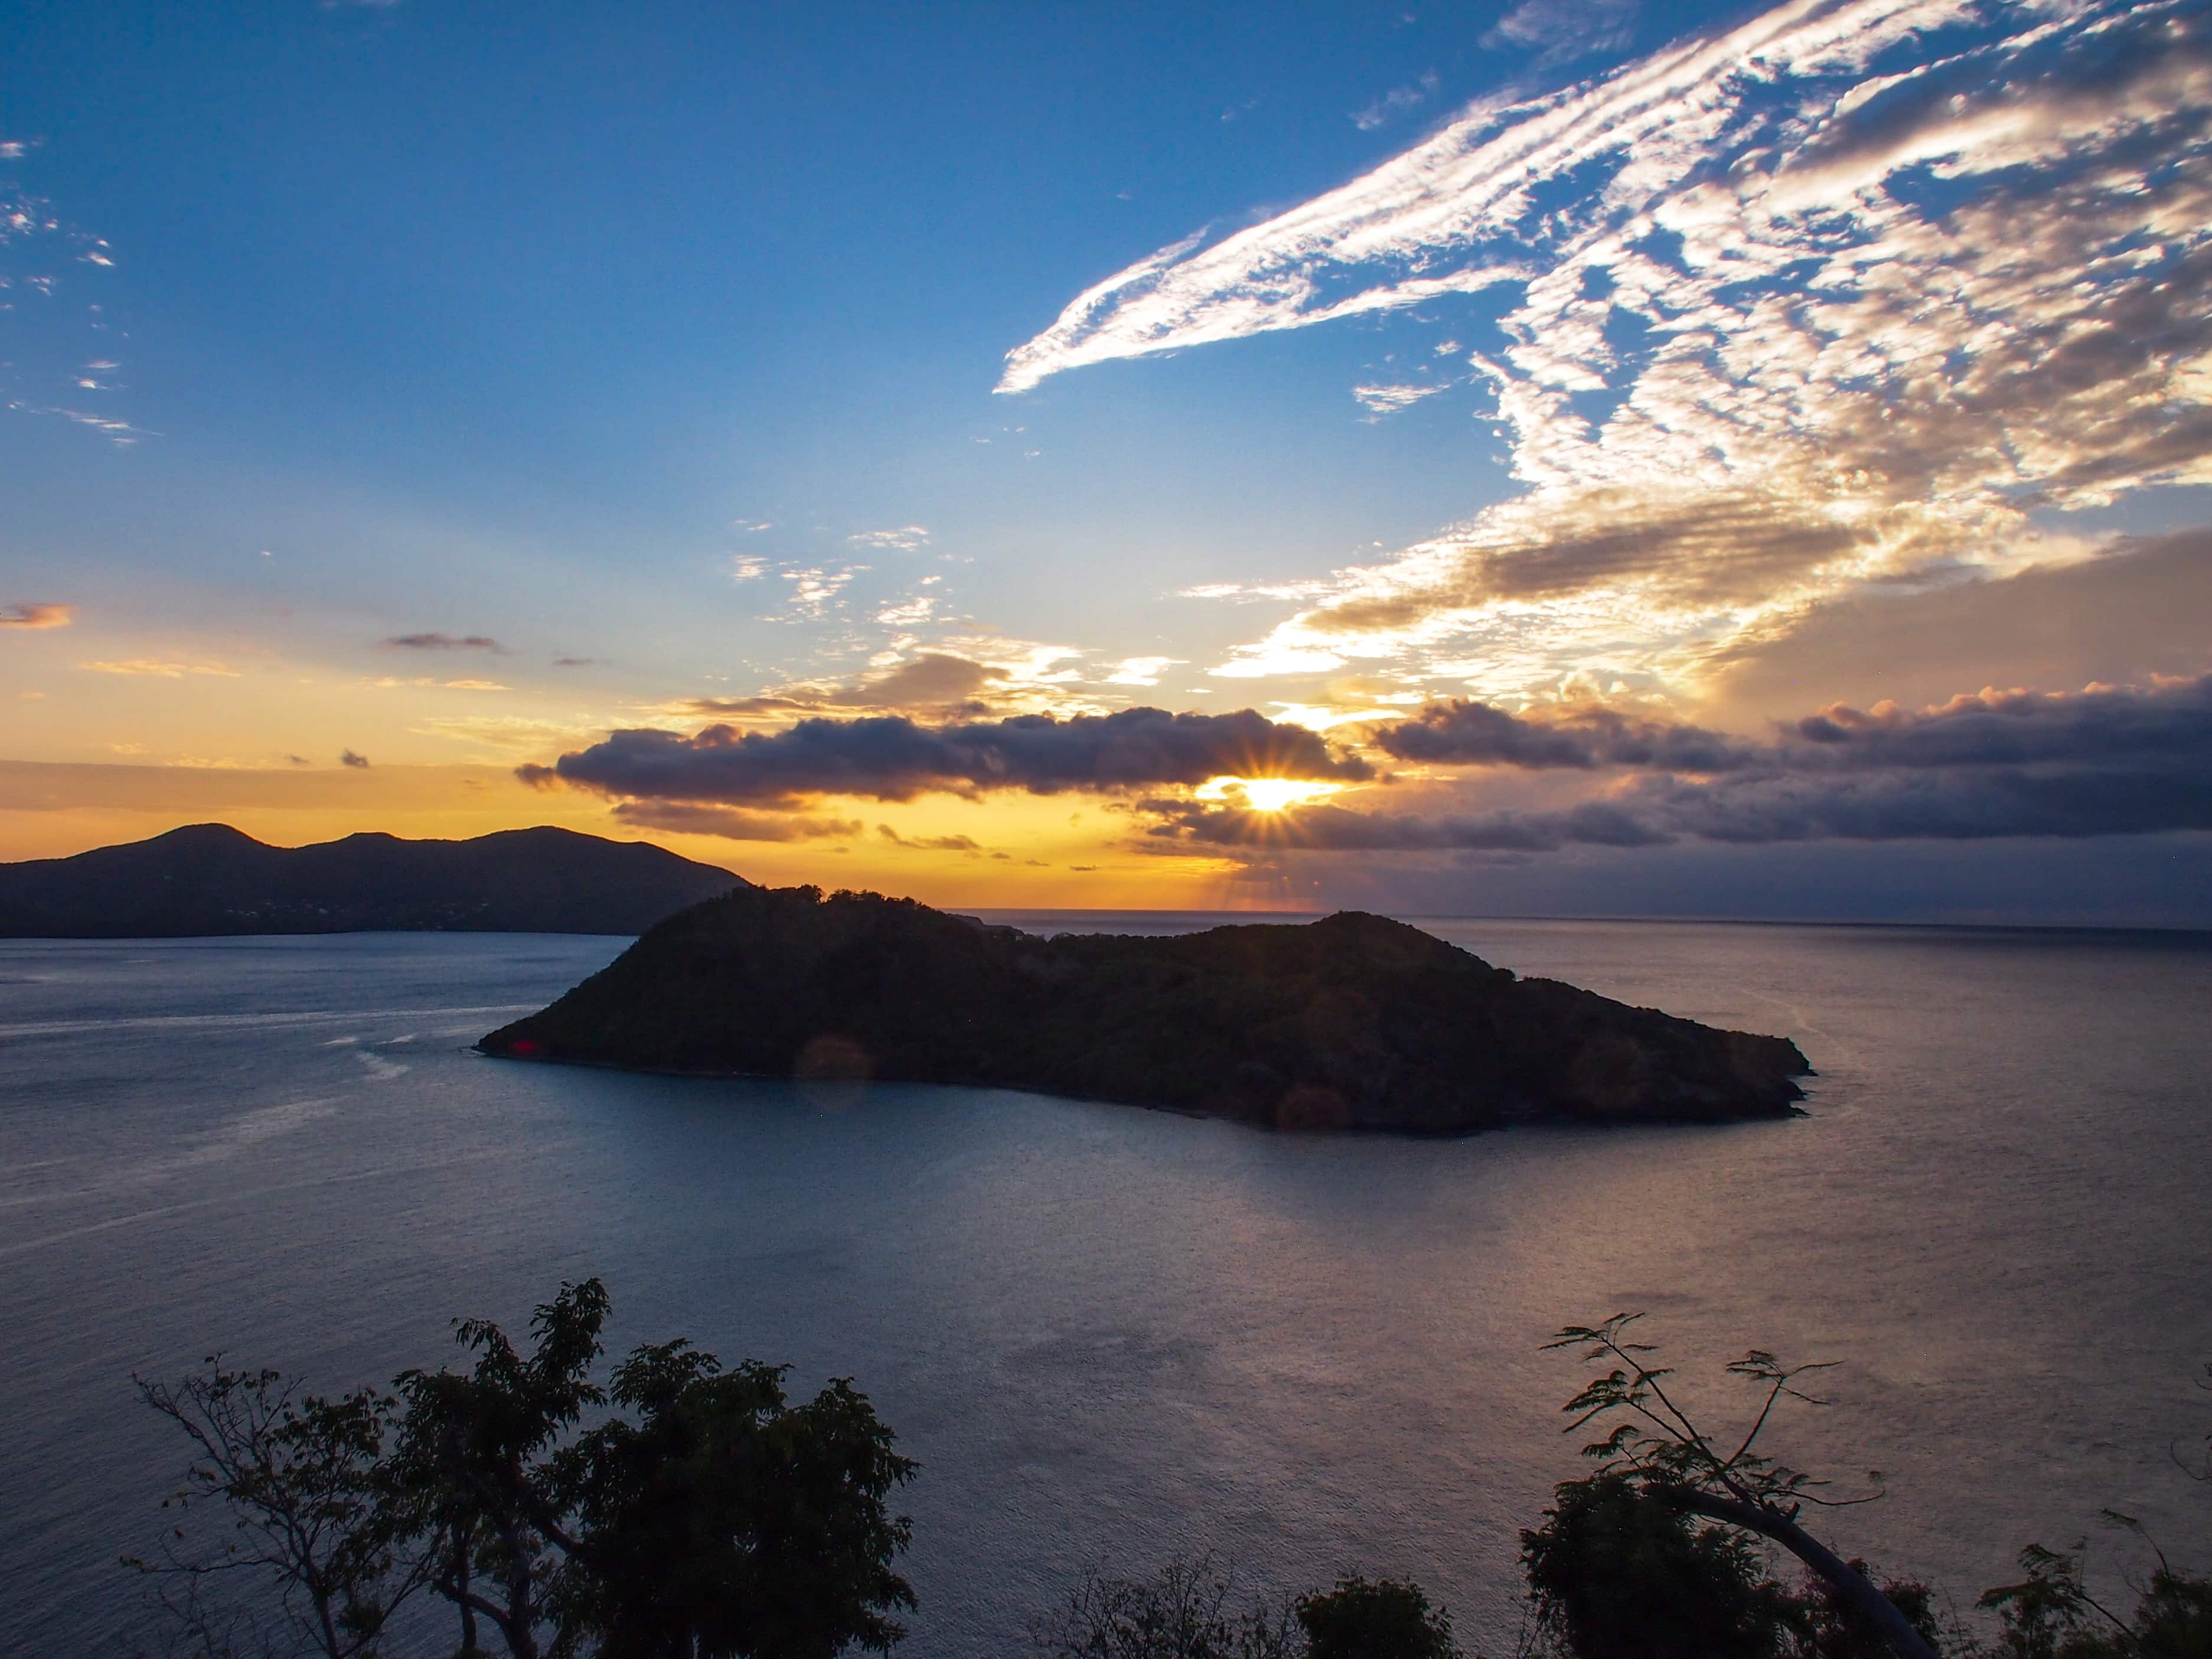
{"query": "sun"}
pixel 1265 794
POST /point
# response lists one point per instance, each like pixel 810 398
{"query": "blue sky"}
pixel 966 363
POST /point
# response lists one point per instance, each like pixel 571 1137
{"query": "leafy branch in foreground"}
pixel 1657 1450
pixel 300 1475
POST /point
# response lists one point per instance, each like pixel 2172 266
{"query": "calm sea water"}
pixel 1111 1334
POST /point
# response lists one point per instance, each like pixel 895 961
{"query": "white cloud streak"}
pixel 1842 295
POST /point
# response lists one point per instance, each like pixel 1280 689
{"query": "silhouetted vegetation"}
pixel 1192 1610
pixel 1187 1610
pixel 681 1510
pixel 1381 1619
pixel 704 1516
pixel 1654 1556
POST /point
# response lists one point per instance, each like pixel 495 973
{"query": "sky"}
pixel 1595 459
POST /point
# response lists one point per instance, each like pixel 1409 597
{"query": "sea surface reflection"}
pixel 1110 1333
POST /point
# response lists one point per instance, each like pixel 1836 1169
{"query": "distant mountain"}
pixel 1355 1022
pixel 210 879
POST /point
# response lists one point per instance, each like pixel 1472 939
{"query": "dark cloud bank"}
pixel 2103 761
pixel 890 758
pixel 1999 765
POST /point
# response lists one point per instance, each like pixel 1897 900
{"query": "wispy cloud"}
pixel 1562 30
pixel 817 590
pixel 1381 400
pixel 36 615
pixel 159 669
pixel 1394 103
pixel 734 823
pixel 967 844
pixel 1140 670
pixel 388 683
pixel 445 642
pixel 346 758
pixel 1786 325
pixel 906 539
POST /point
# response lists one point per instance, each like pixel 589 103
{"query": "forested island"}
pixel 1354 1022
pixel 208 879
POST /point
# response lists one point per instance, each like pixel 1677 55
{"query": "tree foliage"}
pixel 299 1476
pixel 1656 1449
pixel 1381 1618
pixel 1184 1611
pixel 703 1517
pixel 1615 1574
pixel 724 1522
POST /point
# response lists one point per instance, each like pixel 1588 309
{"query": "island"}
pixel 208 878
pixel 1355 1022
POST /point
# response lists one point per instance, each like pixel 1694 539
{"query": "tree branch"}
pixel 1846 1580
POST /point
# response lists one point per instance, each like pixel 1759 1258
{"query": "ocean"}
pixel 1112 1336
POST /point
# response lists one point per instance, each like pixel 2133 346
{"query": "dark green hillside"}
pixel 1354 1022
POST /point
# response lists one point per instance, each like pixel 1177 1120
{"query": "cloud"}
pixel 732 823
pixel 1857 293
pixel 1140 670
pixel 1564 30
pixel 763 706
pixel 36 615
pixel 931 680
pixel 906 539
pixel 1394 103
pixel 1985 728
pixel 445 642
pixel 745 568
pixel 2143 606
pixel 815 592
pixel 2103 760
pixel 1380 400
pixel 934 681
pixel 574 662
pixel 513 732
pixel 930 844
pixel 889 757
pixel 475 685
pixel 1340 829
pixel 910 613
pixel 1465 732
pixel 346 758
pixel 161 670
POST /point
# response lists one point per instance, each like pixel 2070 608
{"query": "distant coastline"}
pixel 210 880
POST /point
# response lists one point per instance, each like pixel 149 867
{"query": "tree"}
pixel 1182 1611
pixel 1657 1450
pixel 1616 1574
pixel 1382 1619
pixel 717 1521
pixel 724 1523
pixel 1827 1625
pixel 2051 1614
pixel 298 1474
pixel 472 1480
